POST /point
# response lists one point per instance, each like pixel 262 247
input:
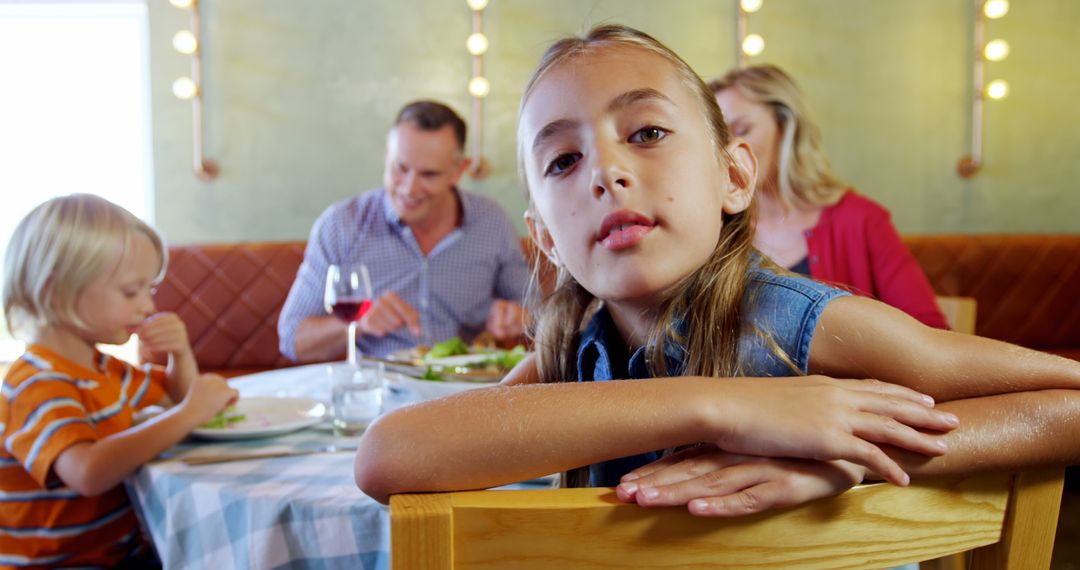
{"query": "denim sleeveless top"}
pixel 786 308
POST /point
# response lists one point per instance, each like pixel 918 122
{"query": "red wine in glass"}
pixel 348 297
pixel 350 310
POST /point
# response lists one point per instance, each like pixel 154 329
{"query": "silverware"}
pixel 226 457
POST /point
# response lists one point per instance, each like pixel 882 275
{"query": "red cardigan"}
pixel 855 246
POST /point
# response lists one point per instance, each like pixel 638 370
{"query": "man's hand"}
pixel 714 483
pixel 388 314
pixel 506 320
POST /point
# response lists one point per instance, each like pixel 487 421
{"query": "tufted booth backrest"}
pixel 1027 288
pixel 230 295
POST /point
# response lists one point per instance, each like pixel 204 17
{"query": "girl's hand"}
pixel 714 483
pixel 816 417
pixel 164 333
pixel 208 395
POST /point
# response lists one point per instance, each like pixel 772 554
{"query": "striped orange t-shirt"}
pixel 47 404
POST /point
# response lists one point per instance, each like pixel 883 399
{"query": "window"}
pixel 75 109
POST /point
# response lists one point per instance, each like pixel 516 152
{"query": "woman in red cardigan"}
pixel 807 220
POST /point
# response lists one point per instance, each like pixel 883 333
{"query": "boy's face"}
pixel 628 184
pixel 117 301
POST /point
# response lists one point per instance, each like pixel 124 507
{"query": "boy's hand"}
pixel 164 333
pixel 714 483
pixel 208 395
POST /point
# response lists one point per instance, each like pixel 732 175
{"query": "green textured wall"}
pixel 299 96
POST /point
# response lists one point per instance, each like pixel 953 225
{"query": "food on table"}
pixel 491 360
pixel 225 418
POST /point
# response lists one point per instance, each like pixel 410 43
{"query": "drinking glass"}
pixel 356 396
pixel 348 297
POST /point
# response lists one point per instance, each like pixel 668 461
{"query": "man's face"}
pixel 421 170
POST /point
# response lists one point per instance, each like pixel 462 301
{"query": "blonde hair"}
pixel 710 332
pixel 58 249
pixel 802 170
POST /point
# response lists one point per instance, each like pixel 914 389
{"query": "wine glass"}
pixel 348 297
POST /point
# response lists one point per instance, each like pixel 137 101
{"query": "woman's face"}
pixel 754 123
pixel 629 186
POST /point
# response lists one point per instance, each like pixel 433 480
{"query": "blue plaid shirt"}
pixel 452 288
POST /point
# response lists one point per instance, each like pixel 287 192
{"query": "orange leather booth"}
pixel 1027 288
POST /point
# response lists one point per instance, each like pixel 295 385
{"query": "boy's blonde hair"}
pixel 803 174
pixel 707 304
pixel 58 249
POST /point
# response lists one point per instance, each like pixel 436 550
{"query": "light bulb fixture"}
pixel 189 42
pixel 184 88
pixel 185 42
pixel 746 44
pixel 477 44
pixel 996 50
pixel 479 87
pixel 997 89
pixel 995 9
pixel 753 45
pixel 751 6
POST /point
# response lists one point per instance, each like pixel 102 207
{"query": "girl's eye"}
pixel 649 135
pixel 562 163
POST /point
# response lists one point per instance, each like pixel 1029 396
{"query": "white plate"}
pixel 459 359
pixel 423 390
pixel 267 417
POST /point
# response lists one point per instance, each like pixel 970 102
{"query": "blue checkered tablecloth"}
pixel 289 512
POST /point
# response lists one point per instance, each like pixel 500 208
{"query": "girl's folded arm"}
pixel 503 434
pixel 1018 408
pixel 857 337
pixel 1005 432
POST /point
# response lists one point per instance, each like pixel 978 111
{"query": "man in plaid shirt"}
pixel 443 262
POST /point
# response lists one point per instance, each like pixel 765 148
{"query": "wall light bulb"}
pixel 997 89
pixel 753 45
pixel 995 9
pixel 477 4
pixel 750 5
pixel 479 87
pixel 182 4
pixel 185 42
pixel 477 43
pixel 184 88
pixel 996 50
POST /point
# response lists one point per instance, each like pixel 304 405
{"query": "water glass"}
pixel 356 396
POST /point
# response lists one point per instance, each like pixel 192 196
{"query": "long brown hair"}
pixel 707 303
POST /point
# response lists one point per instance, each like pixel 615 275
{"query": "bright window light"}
pixel 85 125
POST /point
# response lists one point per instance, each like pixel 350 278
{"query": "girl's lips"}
pixel 628 236
pixel 623 229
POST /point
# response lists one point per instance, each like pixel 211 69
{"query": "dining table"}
pixel 288 511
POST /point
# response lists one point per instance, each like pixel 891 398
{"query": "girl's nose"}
pixel 610 172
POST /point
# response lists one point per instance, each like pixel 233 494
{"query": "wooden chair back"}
pixel 1009 519
pixel 959 312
